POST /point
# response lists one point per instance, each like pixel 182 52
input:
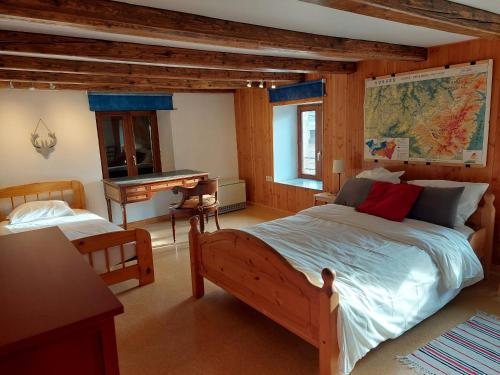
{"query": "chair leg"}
pixel 216 215
pixel 172 219
pixel 207 217
pixel 202 223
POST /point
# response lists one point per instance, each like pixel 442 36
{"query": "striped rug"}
pixel 471 348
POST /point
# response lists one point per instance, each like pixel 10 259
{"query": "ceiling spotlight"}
pixel 249 83
pixel 261 84
pixel 32 88
pixel 273 85
pixel 52 86
pixel 11 84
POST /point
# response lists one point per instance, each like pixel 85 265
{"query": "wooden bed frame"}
pixel 73 192
pixel 254 272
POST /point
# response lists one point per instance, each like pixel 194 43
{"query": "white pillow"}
pixel 36 210
pixel 469 201
pixel 382 174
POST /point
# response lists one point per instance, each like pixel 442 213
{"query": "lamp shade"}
pixel 338 166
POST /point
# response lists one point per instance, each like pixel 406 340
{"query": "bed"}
pixel 115 254
pixel 344 307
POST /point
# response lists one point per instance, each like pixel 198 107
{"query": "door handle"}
pixel 318 156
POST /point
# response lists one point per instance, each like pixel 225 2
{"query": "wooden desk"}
pixel 57 315
pixel 124 190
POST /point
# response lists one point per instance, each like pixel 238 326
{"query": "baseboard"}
pixel 150 220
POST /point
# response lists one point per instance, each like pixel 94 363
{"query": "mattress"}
pixel 83 224
pixel 390 276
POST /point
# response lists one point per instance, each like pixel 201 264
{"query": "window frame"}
pixel 318 108
pixel 128 139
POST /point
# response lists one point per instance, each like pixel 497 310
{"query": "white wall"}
pixel 77 153
pixel 204 131
pixel 285 148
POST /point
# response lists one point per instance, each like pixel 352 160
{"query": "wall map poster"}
pixel 436 115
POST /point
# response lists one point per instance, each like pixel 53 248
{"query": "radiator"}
pixel 232 195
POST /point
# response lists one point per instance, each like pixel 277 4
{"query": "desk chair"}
pixel 198 200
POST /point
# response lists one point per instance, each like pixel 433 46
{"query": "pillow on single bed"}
pixel 390 201
pixel 469 201
pixel 437 205
pixel 354 192
pixel 38 210
pixel 382 174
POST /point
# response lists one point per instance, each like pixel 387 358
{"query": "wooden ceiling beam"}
pixel 105 88
pixel 12 41
pixel 72 78
pixel 137 70
pixel 437 14
pixel 128 19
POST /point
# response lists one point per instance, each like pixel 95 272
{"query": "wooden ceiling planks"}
pixel 128 19
pixel 137 70
pixel 437 14
pixel 12 41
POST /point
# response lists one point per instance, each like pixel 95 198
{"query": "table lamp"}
pixel 338 169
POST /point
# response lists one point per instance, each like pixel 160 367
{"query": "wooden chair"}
pixel 199 200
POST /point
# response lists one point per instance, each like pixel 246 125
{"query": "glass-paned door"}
pixel 143 143
pixel 310 143
pixel 129 143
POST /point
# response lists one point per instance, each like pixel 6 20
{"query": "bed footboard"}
pixel 143 269
pixel 258 275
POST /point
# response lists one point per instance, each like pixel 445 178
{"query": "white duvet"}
pixel 82 224
pixel 389 275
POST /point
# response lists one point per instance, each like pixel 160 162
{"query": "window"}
pixel 309 125
pixel 297 145
pixel 129 143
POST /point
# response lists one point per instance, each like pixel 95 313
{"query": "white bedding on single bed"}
pixel 82 224
pixel 389 275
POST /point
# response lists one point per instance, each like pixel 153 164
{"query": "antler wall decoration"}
pixel 43 146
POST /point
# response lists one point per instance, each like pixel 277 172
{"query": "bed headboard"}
pixel 70 191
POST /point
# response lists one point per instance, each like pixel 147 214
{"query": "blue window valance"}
pixel 302 90
pixel 129 102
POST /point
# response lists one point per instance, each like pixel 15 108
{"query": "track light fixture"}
pixel 249 84
pixel 11 84
pixel 273 85
pixel 32 88
pixel 261 84
pixel 52 86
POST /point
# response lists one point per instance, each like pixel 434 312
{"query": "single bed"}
pixel 115 254
pixel 343 280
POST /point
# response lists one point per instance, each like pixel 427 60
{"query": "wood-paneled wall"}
pixel 254 133
pixel 343 129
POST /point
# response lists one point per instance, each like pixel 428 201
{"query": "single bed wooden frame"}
pixel 254 272
pixel 73 192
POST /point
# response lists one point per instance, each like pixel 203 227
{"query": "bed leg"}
pixel 328 339
pixel 144 253
pixel 197 282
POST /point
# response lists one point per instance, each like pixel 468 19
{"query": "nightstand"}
pixel 324 198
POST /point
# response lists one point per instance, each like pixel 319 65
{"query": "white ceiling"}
pixel 285 14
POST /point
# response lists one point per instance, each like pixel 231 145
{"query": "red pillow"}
pixel 390 201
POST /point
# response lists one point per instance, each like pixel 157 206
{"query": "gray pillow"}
pixel 354 192
pixel 437 205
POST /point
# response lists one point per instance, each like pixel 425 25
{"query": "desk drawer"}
pixel 136 198
pixel 191 182
pixel 165 185
pixel 136 189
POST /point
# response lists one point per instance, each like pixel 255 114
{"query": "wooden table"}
pixel 124 190
pixel 57 315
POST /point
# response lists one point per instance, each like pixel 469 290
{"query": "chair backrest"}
pixel 205 187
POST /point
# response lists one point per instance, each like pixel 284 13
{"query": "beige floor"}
pixel 165 331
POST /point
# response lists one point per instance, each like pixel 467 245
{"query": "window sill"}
pixel 303 183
